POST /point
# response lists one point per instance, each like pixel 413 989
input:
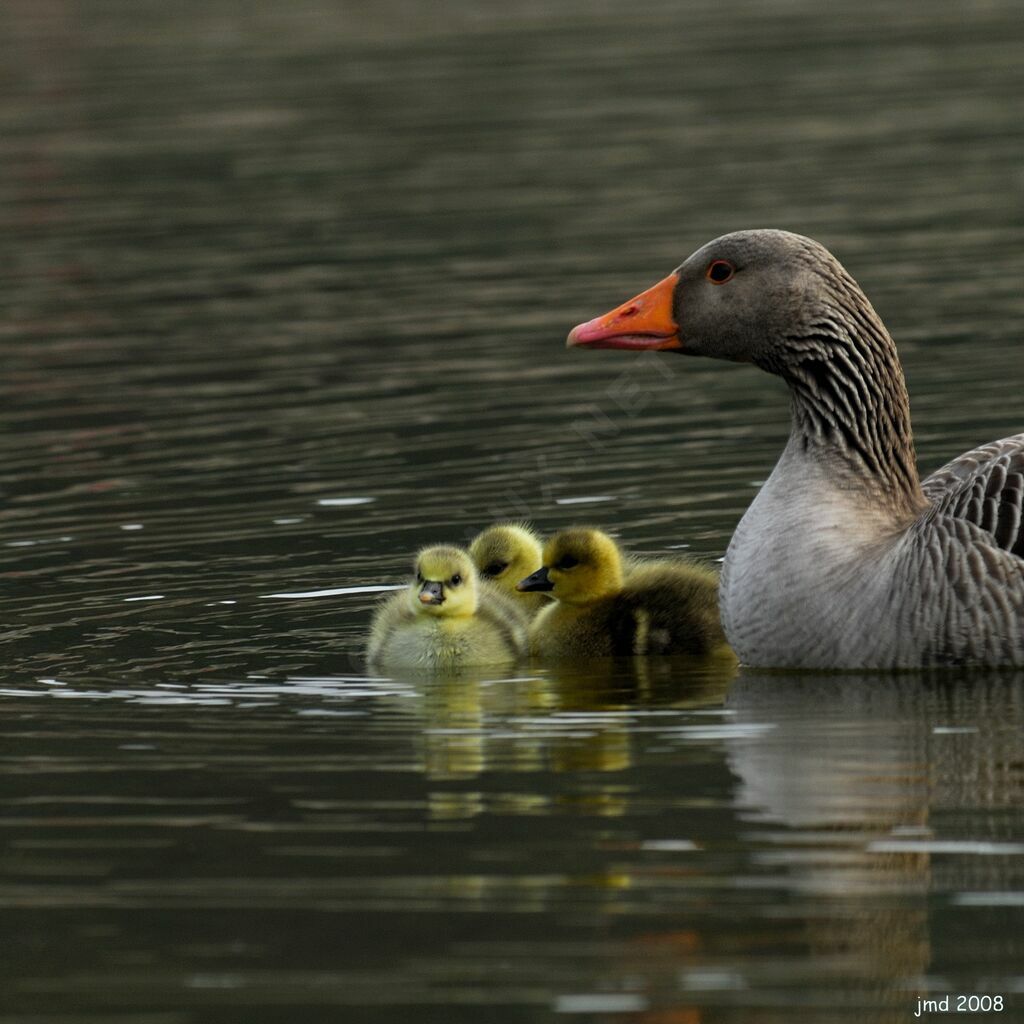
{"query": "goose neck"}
pixel 850 410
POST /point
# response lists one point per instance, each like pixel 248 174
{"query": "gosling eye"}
pixel 419 576
pixel 495 568
pixel 567 562
pixel 720 271
pixel 455 580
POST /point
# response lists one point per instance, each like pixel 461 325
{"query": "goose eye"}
pixel 567 562
pixel 455 580
pixel 495 568
pixel 720 271
pixel 419 576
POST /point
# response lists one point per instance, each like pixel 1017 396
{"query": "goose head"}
pixel 580 566
pixel 444 584
pixel 505 553
pixel 749 296
pixel 784 303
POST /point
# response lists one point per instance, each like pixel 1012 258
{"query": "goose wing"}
pixel 985 487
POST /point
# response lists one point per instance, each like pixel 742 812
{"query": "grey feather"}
pixel 985 487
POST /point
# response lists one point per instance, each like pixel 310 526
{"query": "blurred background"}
pixel 283 297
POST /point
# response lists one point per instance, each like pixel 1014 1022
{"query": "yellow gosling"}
pixel 600 610
pixel 446 619
pixel 504 554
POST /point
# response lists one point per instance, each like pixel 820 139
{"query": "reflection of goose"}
pixel 845 559
pixel 805 758
pixel 857 751
pixel 575 716
pixel 661 608
pixel 847 781
pixel 446 618
pixel 504 554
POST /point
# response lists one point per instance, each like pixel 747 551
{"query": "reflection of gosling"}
pixel 504 554
pixel 662 607
pixel 446 618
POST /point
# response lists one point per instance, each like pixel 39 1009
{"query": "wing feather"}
pixel 985 487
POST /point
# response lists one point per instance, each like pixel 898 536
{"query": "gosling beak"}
pixel 646 322
pixel 432 593
pixel 536 581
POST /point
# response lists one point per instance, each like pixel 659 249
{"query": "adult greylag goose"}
pixel 845 559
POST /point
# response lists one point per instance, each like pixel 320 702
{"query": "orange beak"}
pixel 646 322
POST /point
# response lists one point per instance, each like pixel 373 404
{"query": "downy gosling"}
pixel 447 618
pixel 504 554
pixel 660 607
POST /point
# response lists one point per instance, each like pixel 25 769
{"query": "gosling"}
pixel 446 619
pixel 504 554
pixel 600 611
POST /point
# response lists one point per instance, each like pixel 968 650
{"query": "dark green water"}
pixel 262 261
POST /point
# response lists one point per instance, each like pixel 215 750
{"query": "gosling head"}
pixel 445 583
pixel 581 565
pixel 505 553
pixel 766 297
